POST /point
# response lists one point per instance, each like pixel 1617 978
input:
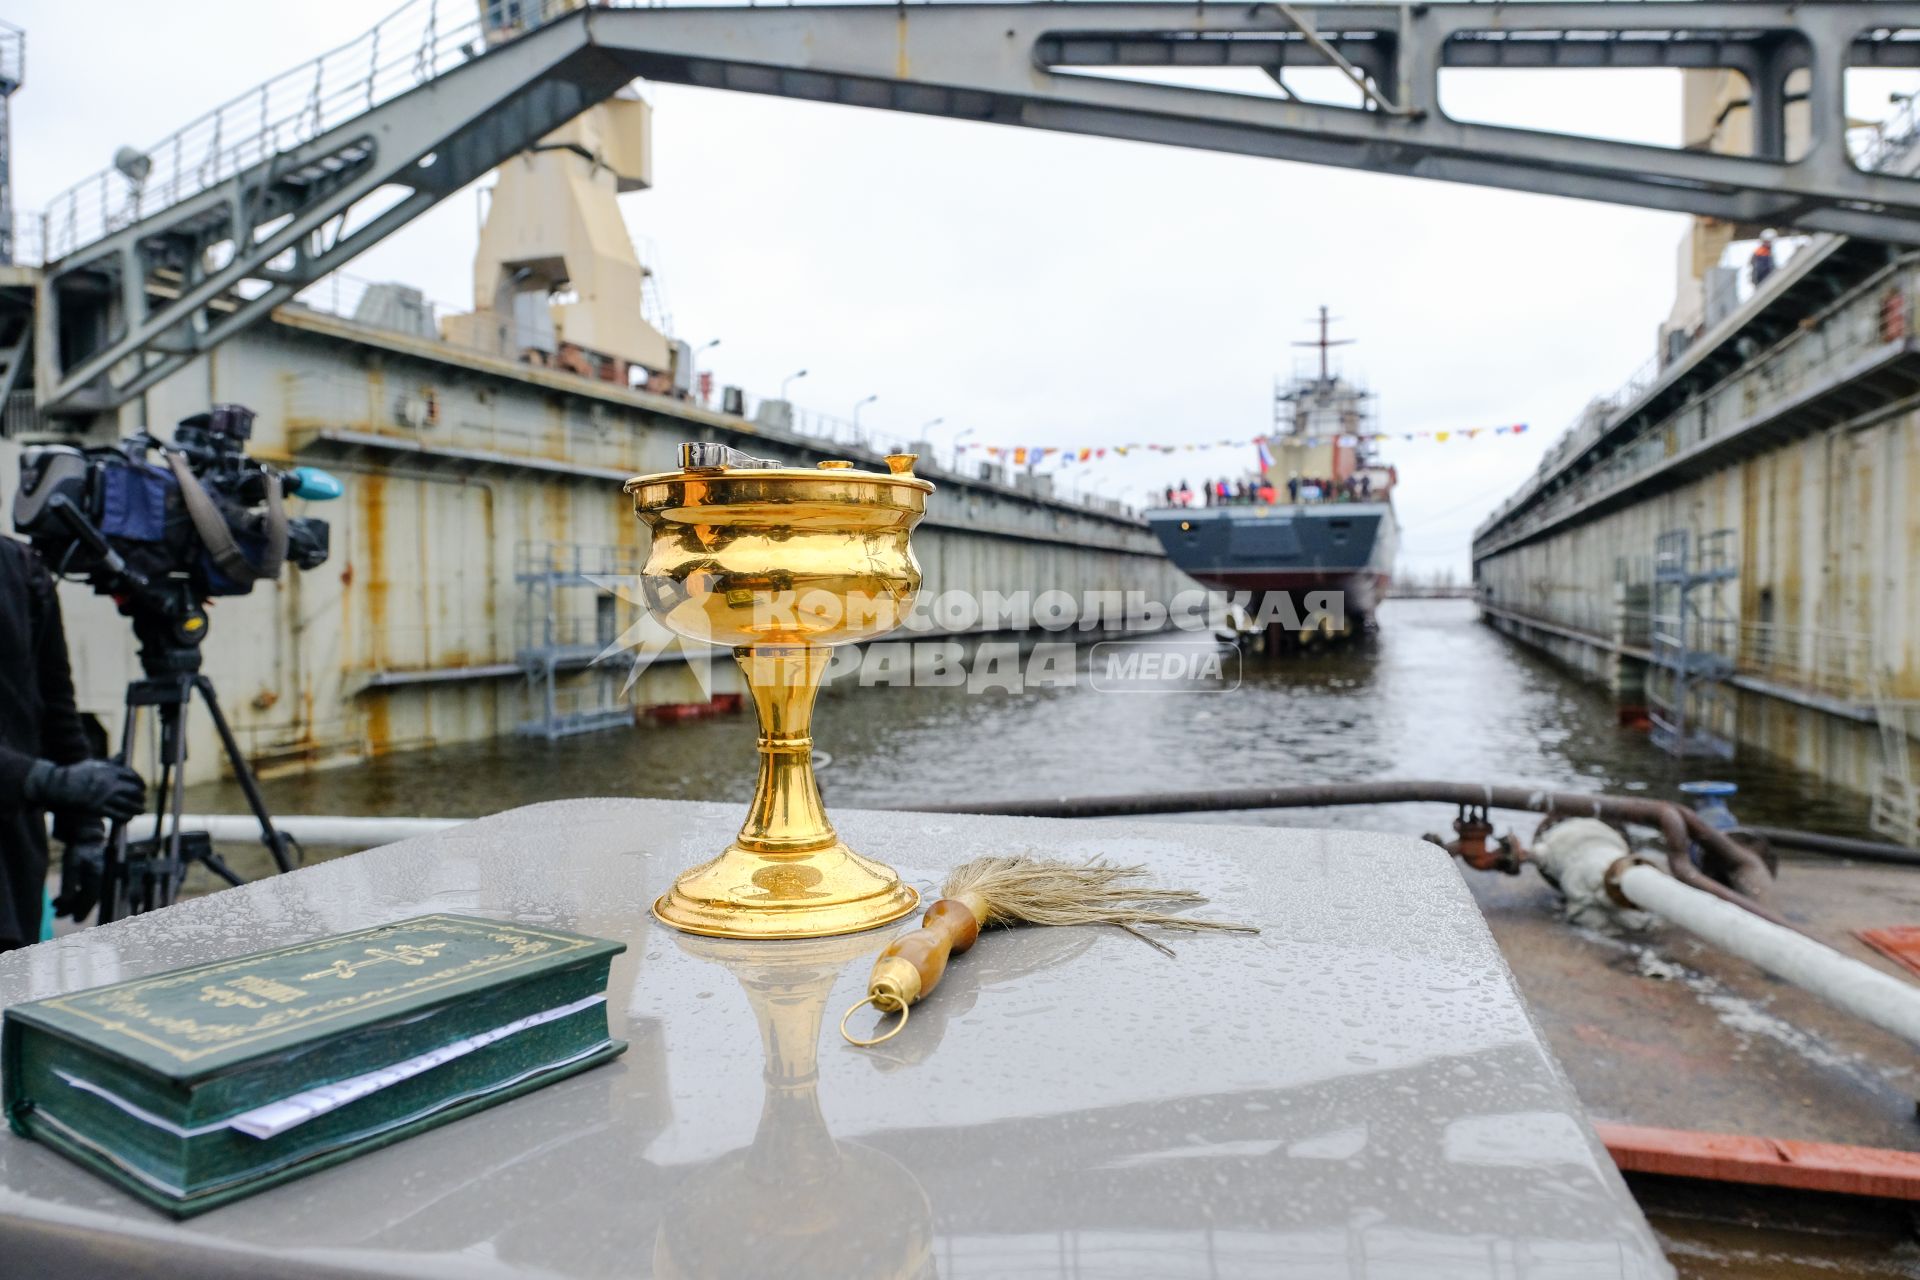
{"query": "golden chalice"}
pixel 781 564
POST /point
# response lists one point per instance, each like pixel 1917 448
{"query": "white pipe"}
pixel 1579 852
pixel 1842 981
pixel 316 829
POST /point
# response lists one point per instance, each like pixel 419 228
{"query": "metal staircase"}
pixel 155 262
pixel 569 618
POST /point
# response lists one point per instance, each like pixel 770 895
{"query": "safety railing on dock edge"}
pixel 407 48
pixel 1842 666
pixel 1886 145
pixel 1843 669
pixel 1847 667
pixel 1837 664
pixel 1877 312
pixel 390 308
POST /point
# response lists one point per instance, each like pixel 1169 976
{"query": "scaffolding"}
pixel 1693 637
pixel 571 615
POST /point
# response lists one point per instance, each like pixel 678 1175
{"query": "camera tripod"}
pixel 140 874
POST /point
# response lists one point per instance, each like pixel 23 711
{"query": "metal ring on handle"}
pixel 873 1000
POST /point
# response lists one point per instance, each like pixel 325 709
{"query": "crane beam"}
pixel 143 285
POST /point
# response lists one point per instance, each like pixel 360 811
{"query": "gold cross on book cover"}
pixel 193 1087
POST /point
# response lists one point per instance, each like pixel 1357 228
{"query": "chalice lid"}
pixel 707 459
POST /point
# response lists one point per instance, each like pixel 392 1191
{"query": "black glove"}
pixel 80 871
pixel 92 786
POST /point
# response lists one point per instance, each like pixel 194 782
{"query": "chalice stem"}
pixel 787 815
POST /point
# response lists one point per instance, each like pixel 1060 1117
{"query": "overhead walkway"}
pixel 154 264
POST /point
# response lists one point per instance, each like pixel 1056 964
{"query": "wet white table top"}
pixel 1357 1091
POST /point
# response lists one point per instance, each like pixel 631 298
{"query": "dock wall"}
pixel 1798 432
pixel 463 473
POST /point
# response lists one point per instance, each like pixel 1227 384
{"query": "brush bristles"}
pixel 1036 891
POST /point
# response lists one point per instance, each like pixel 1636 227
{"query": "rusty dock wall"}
pixel 1795 425
pixel 460 469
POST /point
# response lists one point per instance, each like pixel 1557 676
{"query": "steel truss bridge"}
pixel 239 211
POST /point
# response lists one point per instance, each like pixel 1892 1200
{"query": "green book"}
pixel 198 1086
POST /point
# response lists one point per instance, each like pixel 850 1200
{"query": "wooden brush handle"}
pixel 912 964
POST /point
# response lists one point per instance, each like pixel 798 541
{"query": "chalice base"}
pixel 821 892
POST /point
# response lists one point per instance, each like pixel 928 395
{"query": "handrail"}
pixel 340 293
pixel 1858 306
pixel 1894 140
pixel 404 49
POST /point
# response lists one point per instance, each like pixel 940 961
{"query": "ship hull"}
pixel 1346 547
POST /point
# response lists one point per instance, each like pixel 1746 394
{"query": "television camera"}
pixel 162 538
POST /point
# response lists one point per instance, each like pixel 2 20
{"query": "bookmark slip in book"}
pixel 275 1118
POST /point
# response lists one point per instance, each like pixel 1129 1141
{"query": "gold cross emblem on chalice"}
pixel 780 564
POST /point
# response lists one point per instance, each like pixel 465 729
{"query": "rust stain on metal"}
pixel 379 722
pixel 555 512
pixel 372 493
pixel 373 523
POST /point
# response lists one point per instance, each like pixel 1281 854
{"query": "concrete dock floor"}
pixel 1657 1029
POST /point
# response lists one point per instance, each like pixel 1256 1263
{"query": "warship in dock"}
pixel 1318 518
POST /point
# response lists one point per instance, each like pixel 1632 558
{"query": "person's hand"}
pixel 80 875
pixel 105 787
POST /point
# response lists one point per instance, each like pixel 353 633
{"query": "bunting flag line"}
pixel 1021 455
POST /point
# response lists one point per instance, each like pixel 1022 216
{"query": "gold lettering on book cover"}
pixel 406 953
pixel 126 1008
pixel 226 998
pixel 258 985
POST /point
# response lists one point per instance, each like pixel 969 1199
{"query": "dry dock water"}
pixel 1652 1028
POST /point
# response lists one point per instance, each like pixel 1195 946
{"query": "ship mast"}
pixel 1324 342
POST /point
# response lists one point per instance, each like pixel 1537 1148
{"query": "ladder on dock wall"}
pixel 569 617
pixel 1692 642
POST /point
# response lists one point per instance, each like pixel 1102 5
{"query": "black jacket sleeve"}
pixel 63 739
pixel 61 736
pixel 19 662
pixel 13 776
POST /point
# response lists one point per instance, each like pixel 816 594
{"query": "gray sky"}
pixel 1038 288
